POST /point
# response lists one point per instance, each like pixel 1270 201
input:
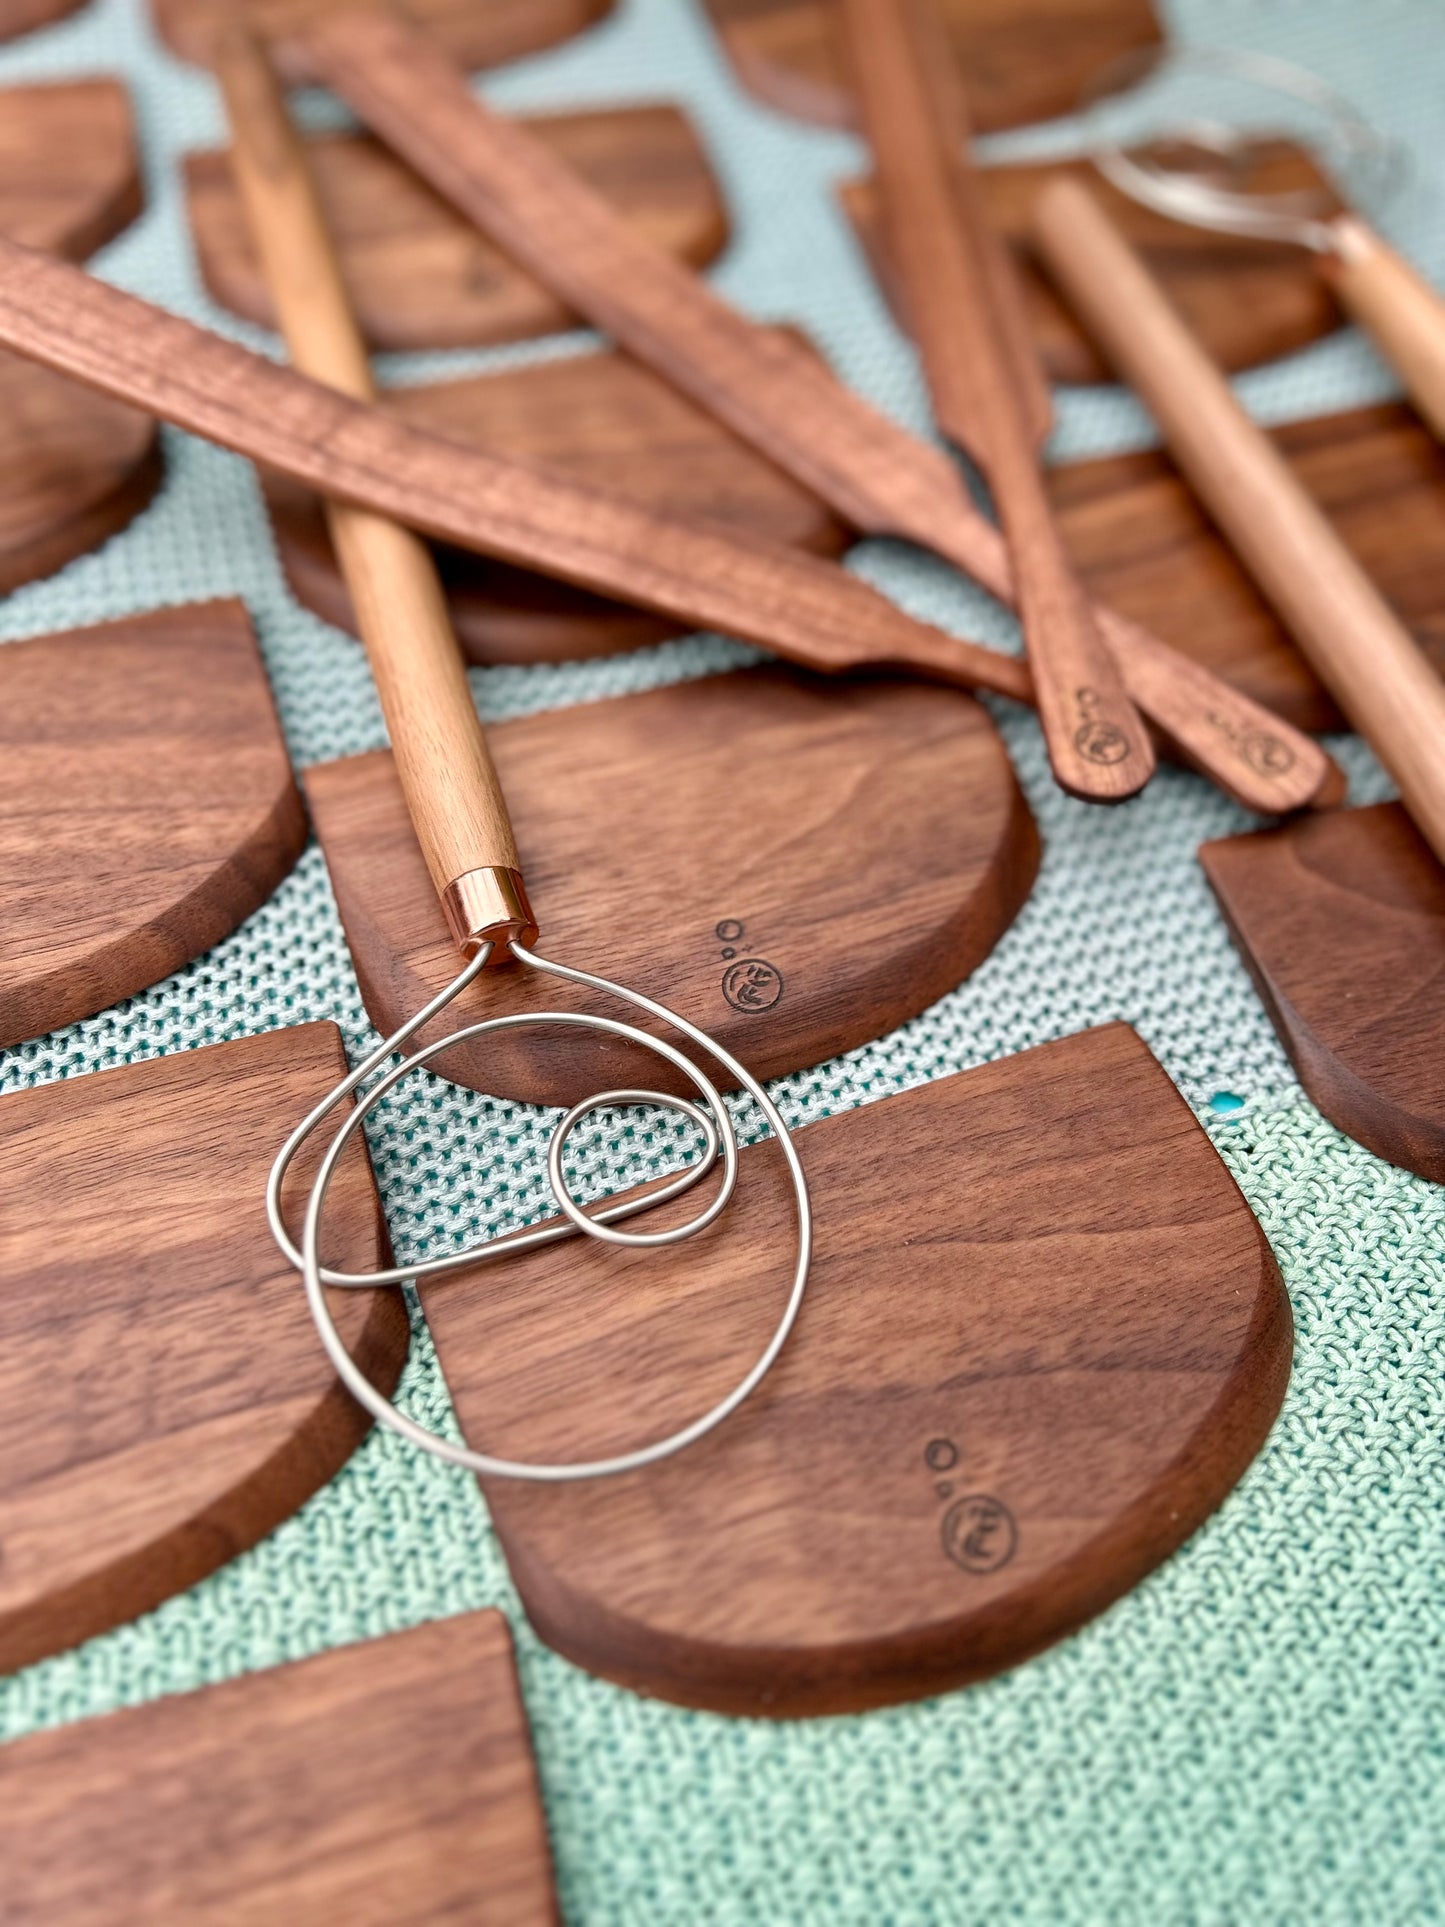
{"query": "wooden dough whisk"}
pixel 460 815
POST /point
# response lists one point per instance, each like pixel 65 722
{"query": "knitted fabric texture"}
pixel 1257 1733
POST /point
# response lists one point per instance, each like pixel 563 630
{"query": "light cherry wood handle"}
pixel 1350 635
pixel 1397 306
pixel 452 790
pixel 770 391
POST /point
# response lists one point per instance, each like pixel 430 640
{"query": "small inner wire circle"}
pixel 711 1116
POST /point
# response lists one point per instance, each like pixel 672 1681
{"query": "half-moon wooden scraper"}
pixel 1342 924
pixel 422 277
pixel 1043 1338
pixel 387 1784
pixel 768 390
pixel 77 469
pixel 804 866
pixel 147 806
pixel 1022 60
pixel 163 1400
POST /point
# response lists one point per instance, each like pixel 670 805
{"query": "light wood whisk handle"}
pixel 1354 641
pixel 452 791
pixel 1395 304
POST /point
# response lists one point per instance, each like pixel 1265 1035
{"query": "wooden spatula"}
pixel 162 1402
pixel 1342 924
pixel 812 613
pixel 1351 636
pixel 967 313
pixel 770 392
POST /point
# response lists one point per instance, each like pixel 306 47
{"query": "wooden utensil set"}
pixel 998 1476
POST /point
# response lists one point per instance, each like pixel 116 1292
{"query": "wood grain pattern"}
pixel 964 316
pixel 767 389
pixel 1248 301
pixel 438 744
pixel 24 16
pixel 1042 1339
pixel 163 1399
pixel 1021 60
pixel 865 846
pixel 69 171
pixel 1143 543
pixel 795 605
pixel 78 467
pixel 420 276
pixel 1392 300
pixel 1354 641
pixel 147 806
pixel 76 470
pixel 480 33
pixel 387 1784
pixel 603 420
pixel 1342 924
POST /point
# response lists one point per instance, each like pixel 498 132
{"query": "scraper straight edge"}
pixel 809 612
pixel 772 393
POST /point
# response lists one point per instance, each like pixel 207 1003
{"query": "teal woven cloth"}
pixel 1257 1733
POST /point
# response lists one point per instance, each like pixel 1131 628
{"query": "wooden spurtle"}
pixel 806 611
pixel 1360 650
pixel 769 391
pixel 967 314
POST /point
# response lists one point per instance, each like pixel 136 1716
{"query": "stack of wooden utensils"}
pixel 795 858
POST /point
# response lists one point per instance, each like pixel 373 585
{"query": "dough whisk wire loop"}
pixel 719 1143
pixel 459 812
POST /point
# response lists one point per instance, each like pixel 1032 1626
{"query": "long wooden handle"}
pixel 1360 650
pixel 1098 746
pixel 1396 305
pixel 451 786
pixel 768 390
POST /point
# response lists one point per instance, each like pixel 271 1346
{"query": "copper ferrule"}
pixel 488 906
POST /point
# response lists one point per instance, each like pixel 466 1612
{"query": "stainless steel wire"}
pixel 710 1115
pixel 1195 172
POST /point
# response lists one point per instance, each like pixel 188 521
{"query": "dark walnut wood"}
pixel 1022 60
pixel 24 16
pixel 478 33
pixel 164 1401
pixel 1042 1340
pixel 422 277
pixel 1144 545
pixel 147 806
pixel 795 866
pixel 700 574
pixel 604 420
pixel 1248 301
pixel 1341 920
pixel 77 466
pixel 77 469
pixel 390 1783
pixel 767 389
pixel 69 171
